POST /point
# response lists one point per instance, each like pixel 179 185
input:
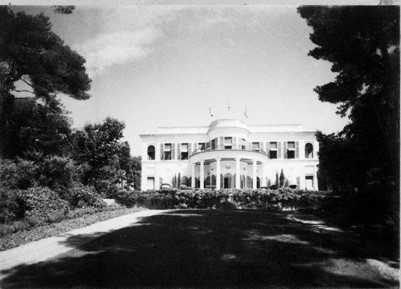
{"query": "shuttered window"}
pixel 228 143
pixel 184 151
pixel 273 151
pixel 167 151
pixel 255 146
pixel 290 150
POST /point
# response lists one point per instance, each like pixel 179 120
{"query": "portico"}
pixel 237 165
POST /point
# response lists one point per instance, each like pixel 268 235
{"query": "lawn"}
pixel 218 249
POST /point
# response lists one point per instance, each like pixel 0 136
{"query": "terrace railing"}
pixel 229 148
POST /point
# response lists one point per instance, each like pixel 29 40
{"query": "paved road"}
pixel 211 248
pixel 44 249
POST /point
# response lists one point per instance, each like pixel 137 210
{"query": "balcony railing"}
pixel 227 148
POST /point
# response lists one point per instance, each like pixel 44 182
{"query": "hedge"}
pixel 203 199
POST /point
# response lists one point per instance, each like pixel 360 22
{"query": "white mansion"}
pixel 229 154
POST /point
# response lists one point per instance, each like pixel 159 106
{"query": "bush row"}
pixel 41 204
pixel 202 199
pixel 30 223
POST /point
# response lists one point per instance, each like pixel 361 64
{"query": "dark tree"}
pixel 136 168
pixel 282 179
pixel 32 54
pixel 61 9
pixel 362 43
pixel 35 127
pixel 97 145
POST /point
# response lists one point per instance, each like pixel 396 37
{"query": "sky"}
pixel 166 65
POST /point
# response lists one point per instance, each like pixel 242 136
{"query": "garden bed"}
pixel 81 220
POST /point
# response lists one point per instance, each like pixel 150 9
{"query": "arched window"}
pixel 151 153
pixel 228 181
pixel 184 181
pixel 308 151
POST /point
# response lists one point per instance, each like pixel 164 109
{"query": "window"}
pixel 255 146
pixel 228 143
pixel 151 153
pixel 243 144
pixel 309 183
pixel 167 151
pixel 213 144
pixel 291 150
pixel 201 146
pixel 150 183
pixel 273 150
pixel 184 151
pixel 308 151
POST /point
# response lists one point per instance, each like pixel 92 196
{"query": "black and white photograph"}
pixel 200 144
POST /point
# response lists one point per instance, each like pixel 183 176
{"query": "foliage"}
pixel 30 48
pixel 57 172
pixel 15 235
pixel 362 43
pixel 35 127
pixel 97 146
pixel 10 209
pixel 19 174
pixel 63 9
pixel 42 203
pixel 136 168
pixel 80 197
pixel 245 199
pixel 32 54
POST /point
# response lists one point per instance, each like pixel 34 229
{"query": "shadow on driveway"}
pixel 208 248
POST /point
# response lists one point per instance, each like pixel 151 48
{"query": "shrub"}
pixel 246 199
pixel 111 191
pixel 10 208
pixel 84 196
pixel 41 202
pixel 57 172
pixel 19 174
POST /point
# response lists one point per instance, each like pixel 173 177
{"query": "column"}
pixel 302 184
pixel 193 176
pixel 263 182
pixel 237 174
pixel 144 180
pixel 254 174
pixel 202 174
pixel 315 186
pixel 157 180
pixel 217 174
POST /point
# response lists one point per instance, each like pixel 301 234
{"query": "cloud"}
pixel 131 33
pixel 128 34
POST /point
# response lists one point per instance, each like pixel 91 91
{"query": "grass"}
pixel 50 230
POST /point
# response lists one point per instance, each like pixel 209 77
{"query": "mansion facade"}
pixel 230 154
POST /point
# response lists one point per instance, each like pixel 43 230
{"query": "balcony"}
pixel 247 148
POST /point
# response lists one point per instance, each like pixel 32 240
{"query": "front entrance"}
pixel 309 183
pixel 151 183
pixel 228 181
